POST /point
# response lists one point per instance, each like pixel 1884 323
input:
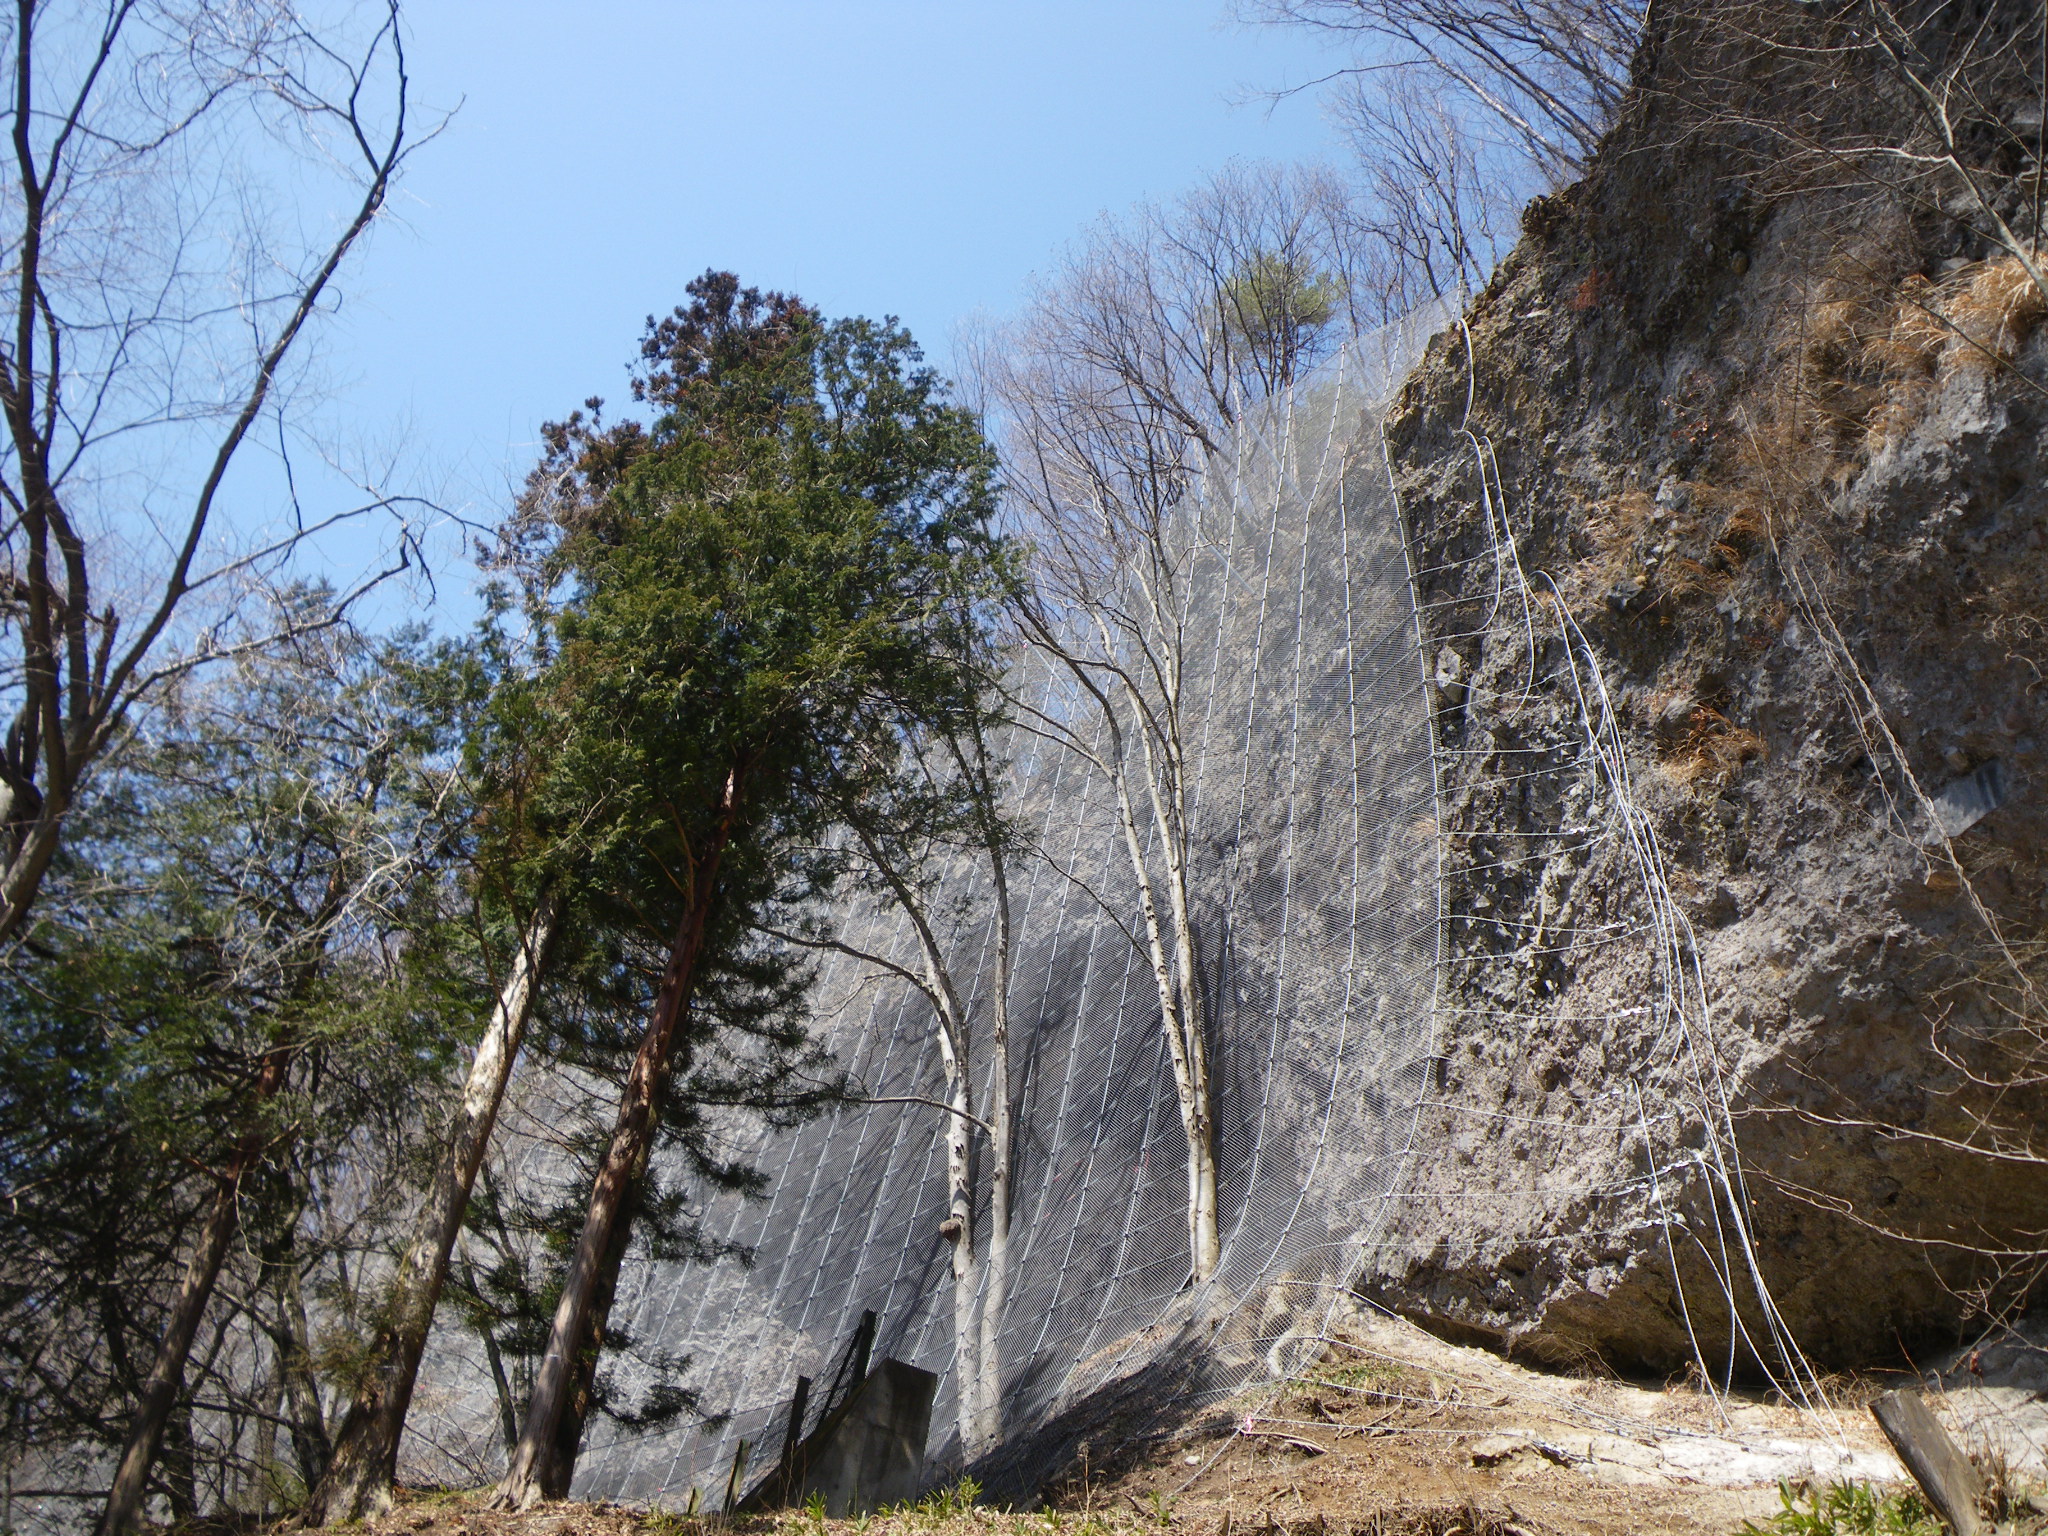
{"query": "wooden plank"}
pixel 1944 1473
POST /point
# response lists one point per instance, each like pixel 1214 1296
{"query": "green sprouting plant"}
pixel 667 1522
pixel 1847 1509
pixel 1356 1374
pixel 950 1501
pixel 1162 1506
pixel 814 1509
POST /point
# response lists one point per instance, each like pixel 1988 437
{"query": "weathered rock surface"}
pixel 1806 542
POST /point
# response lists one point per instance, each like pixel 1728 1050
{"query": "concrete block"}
pixel 870 1451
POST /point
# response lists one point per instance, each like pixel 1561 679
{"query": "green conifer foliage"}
pixel 754 599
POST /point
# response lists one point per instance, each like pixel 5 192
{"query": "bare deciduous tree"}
pixel 1442 208
pixel 1118 391
pixel 1460 111
pixel 1937 110
pixel 1548 74
pixel 154 300
pixel 910 832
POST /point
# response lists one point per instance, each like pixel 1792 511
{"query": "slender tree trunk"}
pixel 263 1477
pixel 1166 788
pixel 959 1233
pixel 1184 1045
pixel 181 1470
pixel 123 1511
pixel 160 1391
pixel 1174 968
pixel 508 1411
pixel 357 1483
pixel 995 1293
pixel 583 1386
pixel 310 1445
pixel 539 1468
pixel 954 1034
pixel 1205 1244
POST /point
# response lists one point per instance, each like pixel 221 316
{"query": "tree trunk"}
pixel 1183 1037
pixel 959 1233
pixel 995 1293
pixel 159 1394
pixel 1205 1245
pixel 540 1468
pixel 583 1386
pixel 1165 785
pixel 310 1445
pixel 263 1478
pixel 180 1466
pixel 357 1483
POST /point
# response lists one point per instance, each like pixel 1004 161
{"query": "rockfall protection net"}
pixel 1320 743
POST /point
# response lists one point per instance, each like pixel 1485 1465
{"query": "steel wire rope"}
pixel 1674 933
pixel 850 1289
pixel 792 1246
pixel 1036 877
pixel 1192 796
pixel 1033 881
pixel 1676 944
pixel 926 1307
pixel 1306 1183
pixel 1141 1171
pixel 740 1208
pixel 967 869
pixel 598 1451
pixel 1432 1052
pixel 1307 501
pixel 1231 884
pixel 1086 1165
pixel 1110 1282
pixel 1055 1139
pixel 1224 566
pixel 857 1126
pixel 1224 569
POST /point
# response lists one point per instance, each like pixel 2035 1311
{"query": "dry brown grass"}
pixel 1996 312
pixel 1973 322
pixel 1713 751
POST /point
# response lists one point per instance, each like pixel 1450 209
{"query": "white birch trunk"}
pixel 995 1293
pixel 357 1483
pixel 1184 1044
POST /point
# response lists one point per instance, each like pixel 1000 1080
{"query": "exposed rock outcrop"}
pixel 1781 450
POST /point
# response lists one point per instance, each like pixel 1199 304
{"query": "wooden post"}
pixel 786 1468
pixel 1944 1474
pixel 732 1483
pixel 861 1351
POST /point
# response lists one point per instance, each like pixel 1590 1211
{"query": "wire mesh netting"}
pixel 1314 873
pixel 1377 854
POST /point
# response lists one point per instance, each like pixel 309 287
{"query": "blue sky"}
pixel 875 156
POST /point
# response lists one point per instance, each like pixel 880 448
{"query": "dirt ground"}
pixel 1397 1425
pixel 1395 1432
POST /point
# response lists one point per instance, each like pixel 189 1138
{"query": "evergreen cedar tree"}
pixel 761 595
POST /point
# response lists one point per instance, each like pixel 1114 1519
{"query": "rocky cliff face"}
pixel 1779 449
